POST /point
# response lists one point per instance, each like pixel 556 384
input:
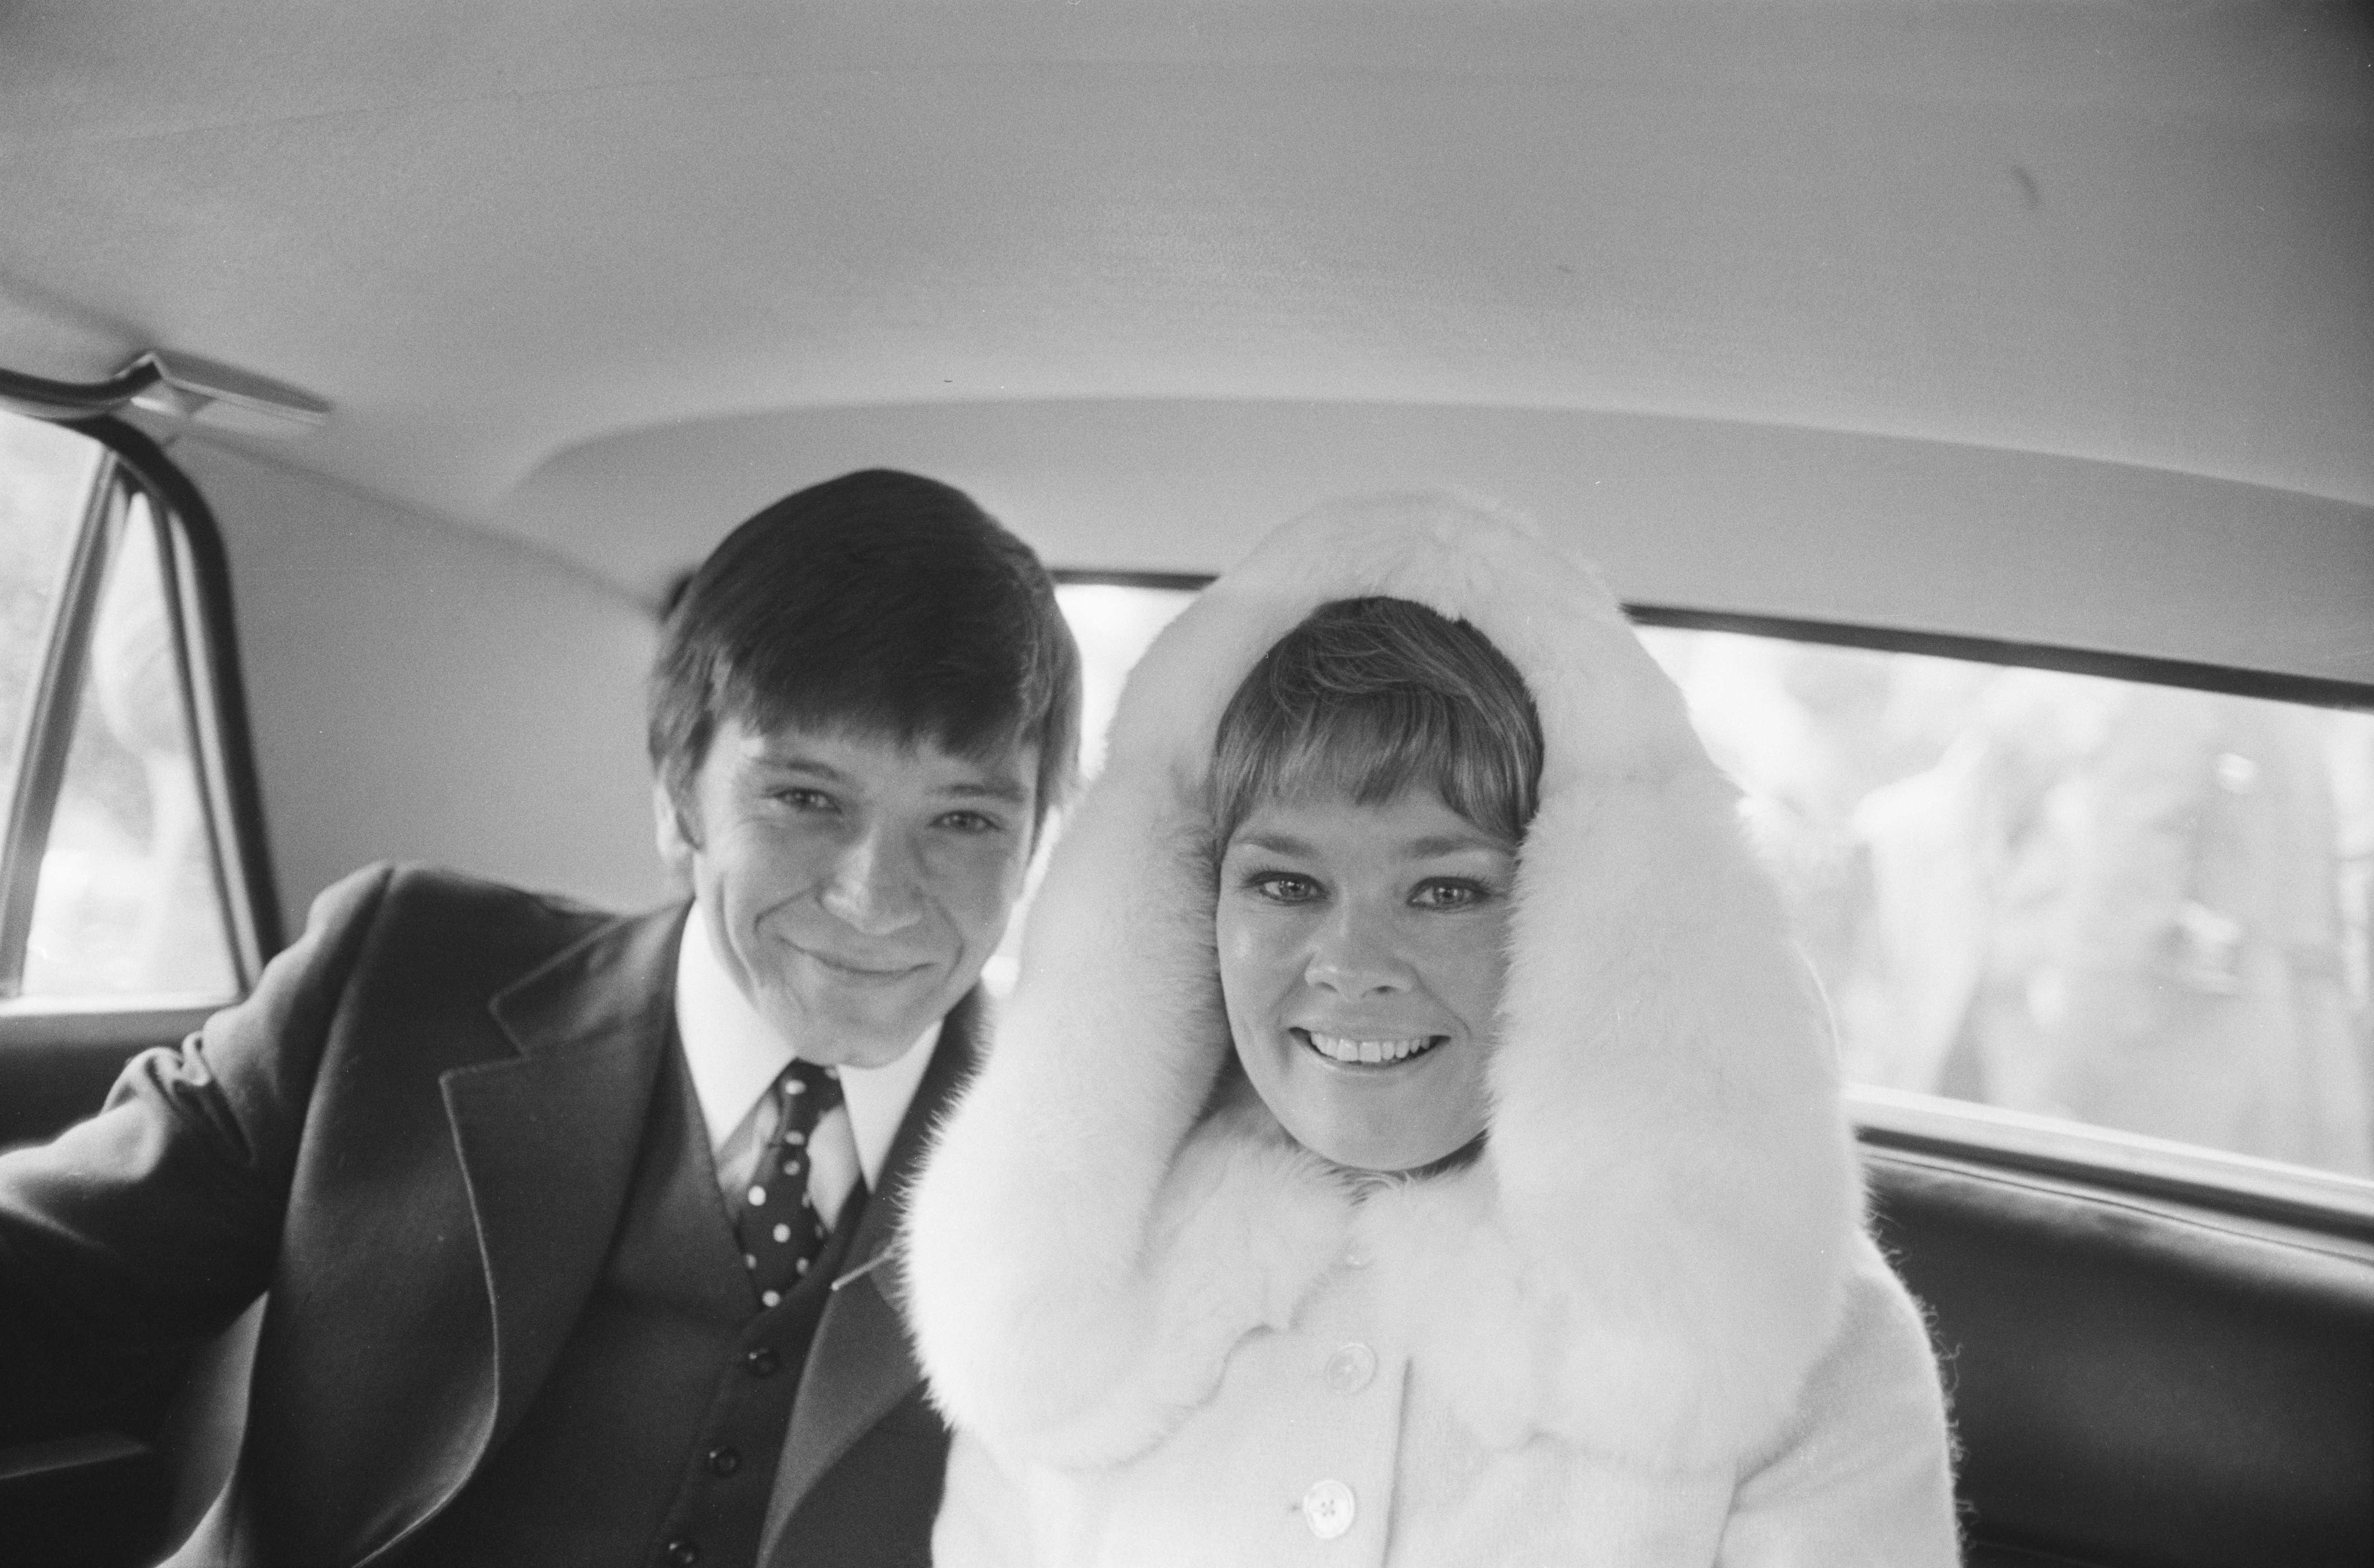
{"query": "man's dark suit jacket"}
pixel 418 1135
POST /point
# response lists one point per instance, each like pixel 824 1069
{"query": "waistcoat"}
pixel 656 1437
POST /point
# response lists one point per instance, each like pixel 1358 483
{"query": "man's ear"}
pixel 676 844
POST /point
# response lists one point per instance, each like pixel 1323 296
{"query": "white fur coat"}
pixel 1645 1326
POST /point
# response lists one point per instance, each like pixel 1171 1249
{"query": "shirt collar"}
pixel 734 1053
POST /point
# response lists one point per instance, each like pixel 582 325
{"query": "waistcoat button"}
pixel 762 1363
pixel 683 1552
pixel 724 1461
pixel 1327 1508
pixel 1349 1369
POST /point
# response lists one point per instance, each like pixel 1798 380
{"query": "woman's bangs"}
pixel 1371 748
pixel 1370 698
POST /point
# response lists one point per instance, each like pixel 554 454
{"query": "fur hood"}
pixel 1653 1248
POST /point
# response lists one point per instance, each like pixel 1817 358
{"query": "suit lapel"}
pixel 860 1365
pixel 547 1141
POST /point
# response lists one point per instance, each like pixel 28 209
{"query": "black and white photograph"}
pixel 1187 784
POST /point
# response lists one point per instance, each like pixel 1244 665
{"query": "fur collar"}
pixel 1660 1229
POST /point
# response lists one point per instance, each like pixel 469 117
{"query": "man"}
pixel 576 1228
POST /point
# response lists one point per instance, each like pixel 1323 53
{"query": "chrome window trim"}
pixel 200 572
pixel 2131 1162
pixel 2313 691
pixel 151 1016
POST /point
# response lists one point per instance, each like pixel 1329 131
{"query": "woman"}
pixel 1573 1270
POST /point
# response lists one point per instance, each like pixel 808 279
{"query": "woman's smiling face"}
pixel 1362 950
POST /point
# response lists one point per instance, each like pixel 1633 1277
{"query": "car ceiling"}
pixel 586 272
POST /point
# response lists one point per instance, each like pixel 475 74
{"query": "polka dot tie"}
pixel 781 1232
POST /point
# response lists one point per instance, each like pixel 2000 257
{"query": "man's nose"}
pixel 1352 956
pixel 873 888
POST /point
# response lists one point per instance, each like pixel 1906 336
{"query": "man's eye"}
pixel 970 821
pixel 801 799
pixel 1449 894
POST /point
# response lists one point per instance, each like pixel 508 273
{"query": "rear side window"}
pixel 2070 898
pixel 2131 905
pixel 118 888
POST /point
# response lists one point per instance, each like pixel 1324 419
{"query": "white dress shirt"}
pixel 734 1054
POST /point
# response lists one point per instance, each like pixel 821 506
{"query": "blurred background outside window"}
pixel 2130 906
pixel 46 479
pixel 129 901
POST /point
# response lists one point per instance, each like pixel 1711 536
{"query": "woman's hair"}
pixel 1369 696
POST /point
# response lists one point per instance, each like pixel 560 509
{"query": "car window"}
pixel 45 484
pixel 116 882
pixel 2129 905
pixel 1114 623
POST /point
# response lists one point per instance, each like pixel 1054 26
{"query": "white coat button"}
pixel 1327 1508
pixel 1356 1255
pixel 1351 1368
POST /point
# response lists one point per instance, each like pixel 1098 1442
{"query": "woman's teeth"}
pixel 1338 1049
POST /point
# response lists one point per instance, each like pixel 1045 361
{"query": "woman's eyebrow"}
pixel 1451 844
pixel 1276 843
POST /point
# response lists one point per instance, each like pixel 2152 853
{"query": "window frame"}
pixel 1934 1125
pixel 195 574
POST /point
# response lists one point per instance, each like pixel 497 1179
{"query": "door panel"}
pixel 94 1501
pixel 2141 1381
pixel 56 1068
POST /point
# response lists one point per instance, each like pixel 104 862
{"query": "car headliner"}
pixel 2048 319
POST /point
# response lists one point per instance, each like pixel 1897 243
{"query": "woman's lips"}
pixel 1382 1051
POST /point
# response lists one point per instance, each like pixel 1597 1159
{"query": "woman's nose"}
pixel 1352 959
pixel 873 886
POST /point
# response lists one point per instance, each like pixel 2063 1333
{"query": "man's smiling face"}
pixel 855 887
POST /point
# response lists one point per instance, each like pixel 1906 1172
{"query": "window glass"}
pixel 2131 905
pixel 2124 905
pixel 1114 625
pixel 130 902
pixel 46 479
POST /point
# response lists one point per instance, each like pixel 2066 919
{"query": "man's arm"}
pixel 151 1226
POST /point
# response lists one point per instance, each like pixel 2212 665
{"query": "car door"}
pixel 133 895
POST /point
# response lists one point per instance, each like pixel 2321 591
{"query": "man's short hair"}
pixel 1368 696
pixel 879 604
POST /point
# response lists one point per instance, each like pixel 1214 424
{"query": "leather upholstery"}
pixel 2139 1383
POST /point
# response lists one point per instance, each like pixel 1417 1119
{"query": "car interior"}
pixel 1972 400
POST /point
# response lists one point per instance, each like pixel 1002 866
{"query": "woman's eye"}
pixel 801 799
pixel 1280 888
pixel 1441 894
